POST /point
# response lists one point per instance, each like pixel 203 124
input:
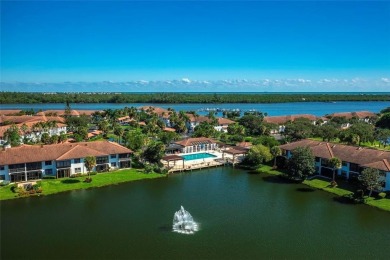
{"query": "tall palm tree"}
pixel 118 130
pixel 89 162
pixel 334 163
pixel 276 151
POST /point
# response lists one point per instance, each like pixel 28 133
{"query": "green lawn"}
pixel 344 188
pixel 379 203
pixel 99 180
pixel 269 170
pixel 325 185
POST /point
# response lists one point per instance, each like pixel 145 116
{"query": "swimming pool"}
pixel 197 156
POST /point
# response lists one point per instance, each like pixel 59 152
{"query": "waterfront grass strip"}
pixel 325 185
pixel 342 190
pixel 379 203
pixel 99 180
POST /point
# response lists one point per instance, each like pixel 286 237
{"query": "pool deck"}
pixel 198 164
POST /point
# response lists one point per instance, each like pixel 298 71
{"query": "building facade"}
pixel 194 145
pixel 354 159
pixel 60 160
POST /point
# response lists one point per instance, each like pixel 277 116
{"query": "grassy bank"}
pixel 99 180
pixel 341 190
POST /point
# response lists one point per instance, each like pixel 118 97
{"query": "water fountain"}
pixel 184 223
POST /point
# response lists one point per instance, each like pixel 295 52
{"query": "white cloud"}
pixel 186 80
pixel 385 80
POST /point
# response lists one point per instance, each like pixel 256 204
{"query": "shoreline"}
pixel 184 98
pixel 318 184
pixel 55 186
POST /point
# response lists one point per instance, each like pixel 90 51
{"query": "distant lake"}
pixel 273 109
pixel 241 216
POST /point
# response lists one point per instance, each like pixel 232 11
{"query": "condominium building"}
pixel 354 159
pixel 30 162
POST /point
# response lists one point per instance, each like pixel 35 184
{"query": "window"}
pixel 101 160
pixel 354 167
pixel 2 177
pixel 113 164
pixel 77 170
pixel 33 166
pixel 318 159
pixel 48 171
pixel 63 164
pixel 47 162
pixel 113 156
pixel 344 164
pixel 124 156
pixel 77 160
pixel 1 168
pixel 324 162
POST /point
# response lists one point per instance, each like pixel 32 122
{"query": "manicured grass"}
pixel 99 180
pixel 343 189
pixel 269 170
pixel 325 185
pixel 379 203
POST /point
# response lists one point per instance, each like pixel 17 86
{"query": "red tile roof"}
pixel 382 165
pixel 358 114
pixel 195 141
pixel 158 110
pixel 9 112
pixel 279 120
pixel 62 112
pixel 169 129
pixel 36 153
pixel 358 155
pixel 224 121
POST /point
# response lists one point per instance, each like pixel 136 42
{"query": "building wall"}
pixel 75 167
pixel 346 169
pixel 4 173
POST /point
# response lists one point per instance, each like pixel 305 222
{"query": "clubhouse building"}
pixel 354 159
pixel 27 162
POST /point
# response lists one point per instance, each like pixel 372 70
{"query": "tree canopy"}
pixel 371 180
pixel 301 164
pixel 90 163
pixel 257 155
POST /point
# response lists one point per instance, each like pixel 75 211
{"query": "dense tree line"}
pixel 31 98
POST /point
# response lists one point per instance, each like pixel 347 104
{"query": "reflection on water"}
pixel 243 216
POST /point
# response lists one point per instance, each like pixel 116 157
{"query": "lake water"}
pixel 241 216
pixel 273 109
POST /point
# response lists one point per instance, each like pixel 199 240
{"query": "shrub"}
pixel 382 195
pixel 148 168
pixel 88 180
pixel 14 188
pixel 333 184
pixel 75 175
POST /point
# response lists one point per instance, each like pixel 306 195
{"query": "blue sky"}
pixel 62 41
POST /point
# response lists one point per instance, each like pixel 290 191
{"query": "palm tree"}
pixel 334 163
pixel 62 138
pixel 104 126
pixel 276 151
pixel 24 129
pixel 89 162
pixel 118 130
